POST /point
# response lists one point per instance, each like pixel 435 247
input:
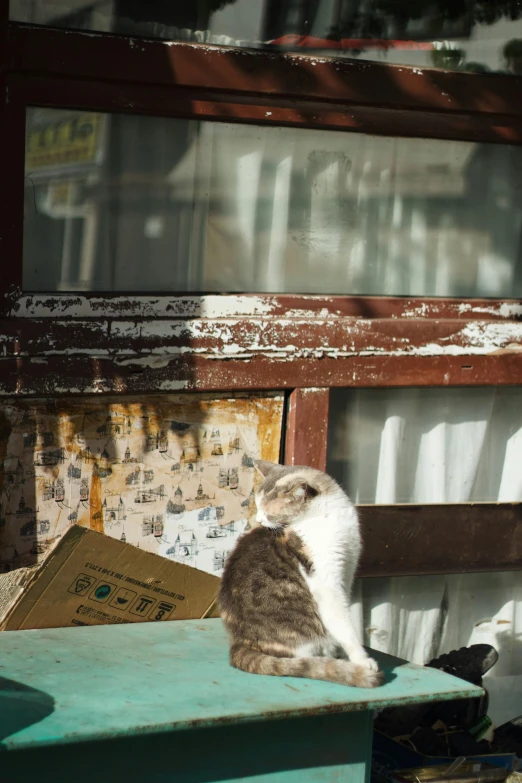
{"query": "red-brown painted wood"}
pixel 64 375
pixel 171 101
pixel 307 428
pixel 101 57
pixel 440 539
pixel 12 142
pixel 281 339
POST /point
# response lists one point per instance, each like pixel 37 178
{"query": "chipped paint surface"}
pixel 504 309
pixel 152 343
pixel 20 305
pixel 50 305
pixel 60 344
pixel 478 339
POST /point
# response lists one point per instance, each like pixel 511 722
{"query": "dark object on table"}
pixel 468 663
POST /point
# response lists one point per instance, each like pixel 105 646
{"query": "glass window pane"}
pixel 427 445
pixel 122 202
pixel 421 617
pixel 480 37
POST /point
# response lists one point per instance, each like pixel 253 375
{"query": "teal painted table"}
pixel 158 702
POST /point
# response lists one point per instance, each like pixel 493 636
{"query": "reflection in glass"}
pixel 480 36
pixel 421 617
pixel 427 445
pixel 122 202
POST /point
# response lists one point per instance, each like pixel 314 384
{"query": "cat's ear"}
pixel 264 467
pixel 303 491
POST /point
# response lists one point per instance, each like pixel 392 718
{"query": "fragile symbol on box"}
pixel 81 584
pixel 142 605
pixel 123 599
pixel 162 611
pixel 102 592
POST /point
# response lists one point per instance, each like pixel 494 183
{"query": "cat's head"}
pixel 287 493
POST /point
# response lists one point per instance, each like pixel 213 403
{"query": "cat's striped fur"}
pixel 285 589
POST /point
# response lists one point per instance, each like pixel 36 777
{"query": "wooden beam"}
pixel 147 354
pixel 405 540
pixel 67 306
pixel 268 109
pixel 281 339
pixel 268 74
pixel 307 428
pixel 62 375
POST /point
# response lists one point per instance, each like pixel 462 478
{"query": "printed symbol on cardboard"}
pixel 81 584
pixel 162 611
pixel 142 605
pixel 102 592
pixel 123 599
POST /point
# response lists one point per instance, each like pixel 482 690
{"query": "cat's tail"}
pixel 330 669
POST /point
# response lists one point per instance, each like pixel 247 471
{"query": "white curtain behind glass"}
pixel 327 212
pixel 436 446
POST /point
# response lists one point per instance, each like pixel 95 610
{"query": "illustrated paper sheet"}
pixel 173 475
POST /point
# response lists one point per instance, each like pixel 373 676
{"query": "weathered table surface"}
pixel 160 702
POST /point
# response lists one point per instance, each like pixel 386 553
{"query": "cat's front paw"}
pixel 365 661
pixel 366 677
pixel 368 674
pixel 370 664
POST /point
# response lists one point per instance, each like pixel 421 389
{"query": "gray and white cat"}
pixel 285 590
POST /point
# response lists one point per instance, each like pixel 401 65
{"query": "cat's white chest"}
pixel 333 543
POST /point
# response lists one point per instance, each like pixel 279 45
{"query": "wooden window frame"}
pixel 54 344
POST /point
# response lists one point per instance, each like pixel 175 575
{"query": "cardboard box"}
pixel 92 579
pixel 389 756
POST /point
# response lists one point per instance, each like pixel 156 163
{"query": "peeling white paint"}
pixel 505 310
pixel 152 360
pixel 173 385
pixel 219 306
pixel 232 349
pixel 211 306
pixel 417 312
pixel 90 389
pixel 479 339
pixel 225 339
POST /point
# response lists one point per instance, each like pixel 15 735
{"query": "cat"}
pixel 285 589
